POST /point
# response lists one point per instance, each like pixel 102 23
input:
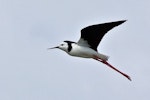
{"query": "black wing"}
pixel 94 33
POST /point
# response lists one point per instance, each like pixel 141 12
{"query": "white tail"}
pixel 103 57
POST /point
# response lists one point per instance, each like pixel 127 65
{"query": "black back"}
pixel 93 34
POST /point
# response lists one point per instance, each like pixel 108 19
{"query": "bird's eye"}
pixel 62 44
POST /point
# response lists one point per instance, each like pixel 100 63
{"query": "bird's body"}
pixel 82 51
pixel 87 45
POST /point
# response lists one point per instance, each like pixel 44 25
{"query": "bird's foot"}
pixel 106 63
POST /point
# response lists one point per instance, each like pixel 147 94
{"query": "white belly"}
pixel 86 52
pixel 82 52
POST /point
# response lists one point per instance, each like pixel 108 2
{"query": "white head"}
pixel 63 46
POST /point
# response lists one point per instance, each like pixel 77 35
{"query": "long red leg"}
pixel 105 62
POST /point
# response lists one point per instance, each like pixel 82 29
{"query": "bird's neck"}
pixel 70 44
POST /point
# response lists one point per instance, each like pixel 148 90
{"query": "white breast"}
pixel 81 51
pixel 85 52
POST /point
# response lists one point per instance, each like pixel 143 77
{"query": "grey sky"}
pixel 28 71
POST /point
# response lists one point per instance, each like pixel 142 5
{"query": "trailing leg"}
pixel 105 62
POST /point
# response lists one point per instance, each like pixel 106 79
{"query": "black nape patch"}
pixel 69 45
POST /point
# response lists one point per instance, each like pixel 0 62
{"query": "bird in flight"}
pixel 87 45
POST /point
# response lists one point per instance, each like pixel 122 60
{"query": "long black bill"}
pixel 53 47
